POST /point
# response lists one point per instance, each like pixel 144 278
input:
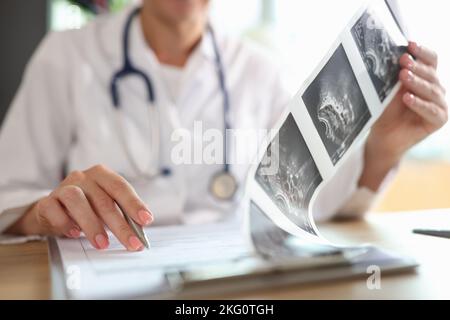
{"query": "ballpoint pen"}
pixel 433 233
pixel 138 230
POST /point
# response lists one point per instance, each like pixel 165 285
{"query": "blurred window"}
pixel 297 33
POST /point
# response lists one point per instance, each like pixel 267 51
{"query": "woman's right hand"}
pixel 87 201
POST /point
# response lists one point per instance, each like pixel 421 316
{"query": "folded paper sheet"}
pixel 330 115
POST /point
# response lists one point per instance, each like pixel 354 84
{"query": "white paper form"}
pixel 116 272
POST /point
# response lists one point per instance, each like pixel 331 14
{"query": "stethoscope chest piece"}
pixel 223 186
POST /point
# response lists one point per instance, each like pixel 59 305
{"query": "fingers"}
pixel 55 217
pixel 426 95
pixel 123 194
pixel 426 90
pixel 424 54
pixel 422 70
pixel 429 111
pixel 79 209
pixel 110 214
pixel 93 198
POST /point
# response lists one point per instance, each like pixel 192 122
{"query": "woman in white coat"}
pixel 64 168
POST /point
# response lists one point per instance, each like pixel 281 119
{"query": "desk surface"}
pixel 24 270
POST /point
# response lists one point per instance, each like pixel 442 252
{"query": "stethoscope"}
pixel 223 185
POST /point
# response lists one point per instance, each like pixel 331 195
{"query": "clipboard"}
pixel 245 276
pixel 195 284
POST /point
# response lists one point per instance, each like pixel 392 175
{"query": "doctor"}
pixel 89 131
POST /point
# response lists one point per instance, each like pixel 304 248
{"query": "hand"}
pixel 87 201
pixel 417 111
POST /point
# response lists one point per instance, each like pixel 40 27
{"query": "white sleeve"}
pixel 337 191
pixel 36 133
pixel 341 197
pixel 363 200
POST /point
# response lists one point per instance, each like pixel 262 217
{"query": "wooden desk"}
pixel 24 271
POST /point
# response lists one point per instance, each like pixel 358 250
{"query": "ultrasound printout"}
pixel 379 51
pixel 336 105
pixel 297 177
pixel 327 120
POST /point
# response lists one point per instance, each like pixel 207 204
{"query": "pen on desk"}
pixel 433 233
pixel 138 230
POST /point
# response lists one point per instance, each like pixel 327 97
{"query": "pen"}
pixel 433 233
pixel 138 230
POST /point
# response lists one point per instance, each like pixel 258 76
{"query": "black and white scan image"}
pixel 274 243
pixel 267 238
pixel 335 102
pixel 293 184
pixel 380 53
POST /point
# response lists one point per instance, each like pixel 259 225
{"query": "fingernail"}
pixel 145 216
pixel 409 97
pixel 415 47
pixel 410 64
pixel 74 233
pixel 410 76
pixel 135 243
pixel 101 241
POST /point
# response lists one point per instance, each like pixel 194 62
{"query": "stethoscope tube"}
pixel 127 68
pixel 223 180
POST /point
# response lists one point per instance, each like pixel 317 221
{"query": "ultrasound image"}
pixel 268 239
pixel 292 186
pixel 336 105
pixel 379 52
pixel 273 243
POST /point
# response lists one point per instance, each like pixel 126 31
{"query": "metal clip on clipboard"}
pixel 244 272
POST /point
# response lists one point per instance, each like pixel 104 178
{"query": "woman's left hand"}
pixel 417 111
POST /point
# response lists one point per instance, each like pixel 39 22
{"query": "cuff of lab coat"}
pixel 363 200
pixel 15 206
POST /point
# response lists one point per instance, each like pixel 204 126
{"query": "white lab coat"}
pixel 62 119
